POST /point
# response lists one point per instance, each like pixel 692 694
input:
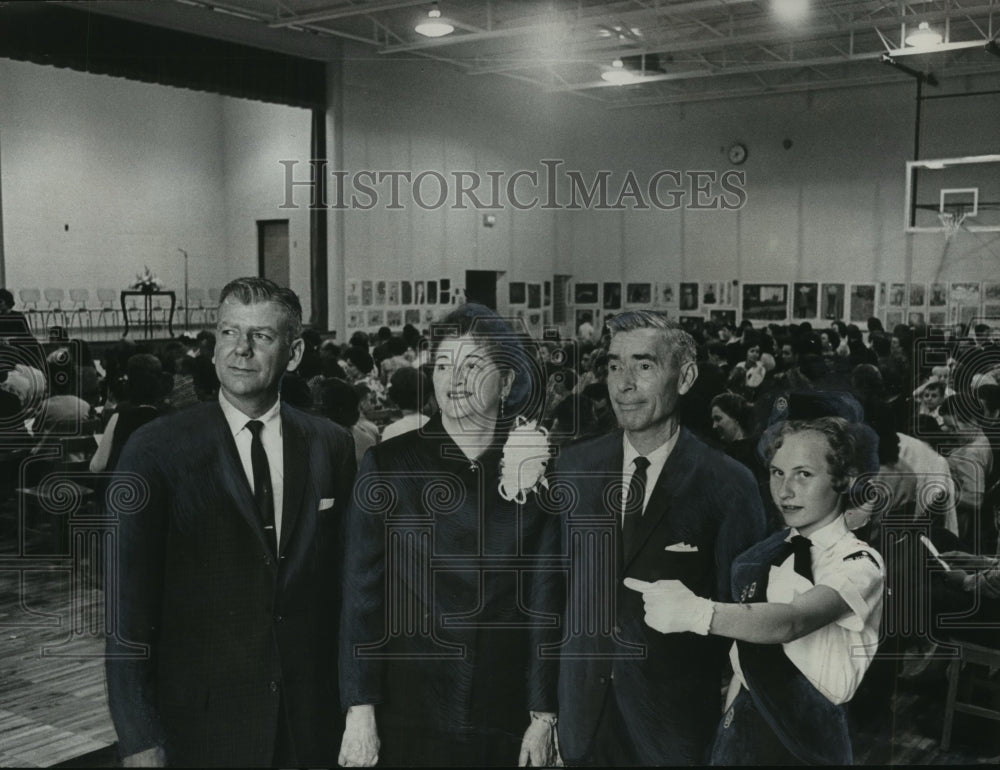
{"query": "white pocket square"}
pixel 681 548
pixel 325 502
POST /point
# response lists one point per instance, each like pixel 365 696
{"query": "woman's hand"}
pixel 360 744
pixel 540 746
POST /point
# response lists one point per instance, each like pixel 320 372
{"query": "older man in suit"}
pixel 226 588
pixel 650 502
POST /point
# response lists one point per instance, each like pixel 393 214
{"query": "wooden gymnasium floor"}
pixel 53 708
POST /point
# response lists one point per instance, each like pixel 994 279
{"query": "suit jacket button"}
pixel 603 680
pixel 267 561
pixel 278 618
pixel 617 630
pixel 274 686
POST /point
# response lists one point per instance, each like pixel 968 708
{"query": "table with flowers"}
pixel 148 286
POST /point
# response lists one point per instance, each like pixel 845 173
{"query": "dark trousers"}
pixel 744 737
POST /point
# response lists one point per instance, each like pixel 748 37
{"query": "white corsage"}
pixel 525 456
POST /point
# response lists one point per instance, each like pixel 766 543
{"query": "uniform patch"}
pixel 861 555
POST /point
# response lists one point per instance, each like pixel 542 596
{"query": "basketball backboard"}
pixel 945 194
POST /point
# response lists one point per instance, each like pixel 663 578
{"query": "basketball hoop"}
pixel 951 221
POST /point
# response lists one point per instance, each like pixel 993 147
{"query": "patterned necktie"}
pixel 634 501
pixel 262 492
pixel 798 547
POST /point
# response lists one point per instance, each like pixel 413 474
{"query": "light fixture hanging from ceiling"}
pixel 632 69
pixel 924 37
pixel 434 25
pixel 618 75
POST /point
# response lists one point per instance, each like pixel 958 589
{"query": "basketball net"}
pixel 952 222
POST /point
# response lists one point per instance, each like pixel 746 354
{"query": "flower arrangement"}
pixel 146 281
pixel 525 455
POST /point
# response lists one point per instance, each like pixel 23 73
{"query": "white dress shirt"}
pixel 657 459
pixel 270 437
pixel 833 658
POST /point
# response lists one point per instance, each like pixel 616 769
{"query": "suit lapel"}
pixel 234 478
pixel 296 465
pixel 677 467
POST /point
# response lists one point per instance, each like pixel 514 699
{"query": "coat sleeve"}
pixel 742 523
pixel 137 500
pixel 362 619
pixel 548 598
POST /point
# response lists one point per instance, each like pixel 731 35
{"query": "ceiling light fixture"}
pixel 434 25
pixel 791 10
pixel 618 75
pixel 924 37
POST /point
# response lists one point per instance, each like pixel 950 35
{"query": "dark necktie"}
pixel 798 547
pixel 262 492
pixel 635 497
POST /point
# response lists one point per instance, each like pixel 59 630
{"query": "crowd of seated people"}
pixel 930 398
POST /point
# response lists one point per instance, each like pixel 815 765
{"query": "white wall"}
pixel 138 171
pixel 829 208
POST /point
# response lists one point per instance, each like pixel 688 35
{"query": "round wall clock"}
pixel 737 153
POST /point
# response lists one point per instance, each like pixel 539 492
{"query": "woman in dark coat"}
pixel 443 613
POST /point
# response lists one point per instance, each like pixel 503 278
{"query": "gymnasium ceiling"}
pixel 705 49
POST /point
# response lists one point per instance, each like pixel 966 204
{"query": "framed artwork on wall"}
pixel 689 296
pixel 419 298
pixel 585 294
pixel 394 319
pixel 937 318
pixel 405 293
pixel 375 318
pixel 765 301
pixel 534 295
pixel 862 301
pixel 991 292
pixel 547 293
pixel 805 300
pixel 727 317
pixel 915 318
pixel 393 293
pixel 639 293
pixel 612 296
pixel 710 293
pixel 991 314
pixel 355 319
pixel 518 294
pixel 939 295
pixel 367 296
pixel 444 291
pixel 353 293
pixel 897 294
pixel 381 292
pixel 412 315
pixel 893 318
pixel 966 293
pixel 665 295
pixel 918 296
pixel 832 298
pixel 432 292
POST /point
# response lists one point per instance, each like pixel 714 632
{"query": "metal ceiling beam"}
pixel 345 12
pixel 756 37
pixel 773 66
pixel 572 22
pixel 889 78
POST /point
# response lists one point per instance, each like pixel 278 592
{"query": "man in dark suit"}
pixel 651 502
pixel 226 588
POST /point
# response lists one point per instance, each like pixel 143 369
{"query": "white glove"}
pixel 671 608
